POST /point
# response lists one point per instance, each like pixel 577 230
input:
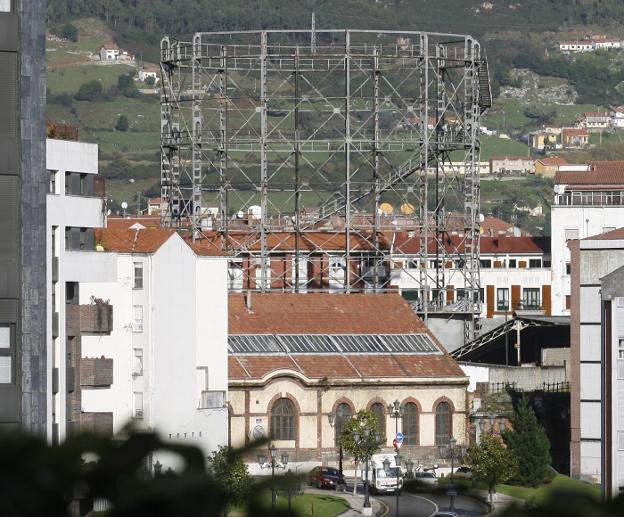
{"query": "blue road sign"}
pixel 399 437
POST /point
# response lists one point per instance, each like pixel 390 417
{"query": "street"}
pixel 425 505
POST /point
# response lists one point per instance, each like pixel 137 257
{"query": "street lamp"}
pixel 367 440
pixel 386 466
pixel 273 464
pixel 333 419
pixel 409 465
pixel 445 451
pixel 396 410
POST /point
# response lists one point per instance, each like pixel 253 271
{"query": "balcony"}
pixel 92 319
pixel 591 198
pixel 98 423
pixel 96 372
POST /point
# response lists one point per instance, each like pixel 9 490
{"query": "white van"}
pixel 380 480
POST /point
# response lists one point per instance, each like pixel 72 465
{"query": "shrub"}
pixel 122 123
pixel 90 91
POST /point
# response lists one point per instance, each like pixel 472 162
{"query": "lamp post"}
pixel 386 466
pixel 445 451
pixel 273 464
pixel 396 410
pixel 333 419
pixel 367 440
pixel 409 465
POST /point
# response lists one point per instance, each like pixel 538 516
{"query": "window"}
pixel 461 294
pixel 51 174
pixel 502 299
pixel 621 348
pixel 343 415
pixel 138 275
pixel 378 410
pixel 512 263
pixel 486 263
pixel 481 294
pixel 567 268
pixel 571 233
pixel 535 262
pixel 137 366
pixel 283 420
pixel 531 298
pixel 443 421
pixel 137 325
pixel 137 400
pixel 620 363
pixel 410 424
pixel 5 6
pixel 568 302
pixel 6 374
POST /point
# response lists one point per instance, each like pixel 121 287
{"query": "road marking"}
pixel 428 500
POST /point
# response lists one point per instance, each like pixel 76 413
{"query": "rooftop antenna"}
pixel 313 34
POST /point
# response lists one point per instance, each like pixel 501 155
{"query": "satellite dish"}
pixel 258 432
pixel 124 205
pixel 481 218
pixel 386 208
pixel 255 211
pixel 240 215
pixel 407 209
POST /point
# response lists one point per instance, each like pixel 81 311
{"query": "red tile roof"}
pixel 322 313
pixel 553 160
pixel 489 244
pixel 513 158
pixel 572 131
pixel 148 240
pixel 601 173
pixel 613 235
pixel 117 222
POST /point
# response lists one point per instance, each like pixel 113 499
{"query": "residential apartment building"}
pixel 512 165
pixel 586 203
pixel 549 166
pixel 594 121
pixel 23 376
pixel 515 272
pixel 164 365
pixel 597 340
pixel 75 209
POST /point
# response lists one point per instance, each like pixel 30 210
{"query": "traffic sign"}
pixel 396 444
pixel 399 437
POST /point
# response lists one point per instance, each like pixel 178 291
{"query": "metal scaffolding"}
pixel 268 137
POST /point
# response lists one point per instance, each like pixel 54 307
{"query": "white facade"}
pixel 109 54
pixel 575 217
pixel 576 46
pixel 168 344
pixel 68 210
pixel 145 73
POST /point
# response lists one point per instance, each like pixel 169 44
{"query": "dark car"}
pixel 325 477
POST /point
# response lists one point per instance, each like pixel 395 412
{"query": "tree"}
pixel 363 419
pixel 89 91
pixel 491 462
pixel 69 32
pixel 231 474
pixel 150 80
pixel 122 123
pixel 527 440
pixel 125 83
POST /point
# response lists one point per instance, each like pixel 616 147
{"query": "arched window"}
pixel 411 424
pixel 343 415
pixel 378 410
pixel 443 421
pixel 283 425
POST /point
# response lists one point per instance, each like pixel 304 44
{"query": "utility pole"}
pixel 313 34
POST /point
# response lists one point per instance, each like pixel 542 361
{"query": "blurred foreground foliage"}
pixel 37 479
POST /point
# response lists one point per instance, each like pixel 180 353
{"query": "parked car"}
pixel 426 477
pixel 325 477
pixel 463 472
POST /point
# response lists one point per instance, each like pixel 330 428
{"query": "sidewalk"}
pixel 499 501
pixel 355 501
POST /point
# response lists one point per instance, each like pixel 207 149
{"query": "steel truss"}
pixel 269 137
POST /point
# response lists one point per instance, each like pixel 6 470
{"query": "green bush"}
pixel 122 123
pixel 90 91
pixel 69 32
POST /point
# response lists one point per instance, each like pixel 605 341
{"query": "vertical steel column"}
pixel 297 152
pixel 165 129
pixel 196 131
pixel 313 34
pixel 423 192
pixel 347 144
pixel 376 154
pixel 472 186
pixel 440 227
pixel 174 124
pixel 223 186
pixel 263 160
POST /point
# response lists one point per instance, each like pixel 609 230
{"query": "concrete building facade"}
pixel 23 379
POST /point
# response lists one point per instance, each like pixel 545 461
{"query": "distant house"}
pixel 576 46
pixel 617 116
pixel 109 52
pixel 544 139
pixel 549 166
pixel 607 43
pixel 144 73
pixel 594 121
pixel 572 137
pixel 511 165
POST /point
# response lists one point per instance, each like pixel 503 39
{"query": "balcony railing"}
pixel 608 198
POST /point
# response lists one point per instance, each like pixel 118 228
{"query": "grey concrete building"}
pixel 23 357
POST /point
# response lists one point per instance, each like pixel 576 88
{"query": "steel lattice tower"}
pixel 270 136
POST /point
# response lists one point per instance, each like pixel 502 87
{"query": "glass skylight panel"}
pixel 306 344
pixel 257 343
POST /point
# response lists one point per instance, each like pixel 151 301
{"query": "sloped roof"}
pixel 600 173
pixel 489 244
pixel 613 235
pixel 121 223
pixel 573 131
pixel 513 158
pixel 127 240
pixel 553 160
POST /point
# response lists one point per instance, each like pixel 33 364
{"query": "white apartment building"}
pixel 168 343
pixel 75 208
pixel 586 203
pixel 515 273
pixel 597 348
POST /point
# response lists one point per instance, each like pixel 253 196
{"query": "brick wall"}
pixel 99 423
pixel 96 318
pixel 96 371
